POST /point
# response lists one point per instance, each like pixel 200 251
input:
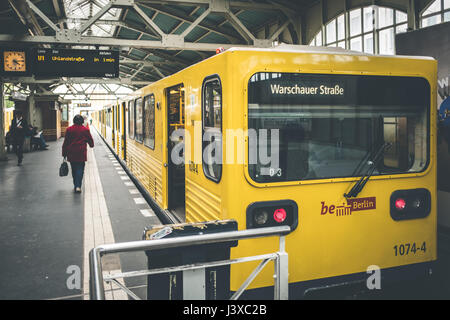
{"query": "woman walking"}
pixel 74 148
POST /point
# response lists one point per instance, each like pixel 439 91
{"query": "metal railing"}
pixel 280 258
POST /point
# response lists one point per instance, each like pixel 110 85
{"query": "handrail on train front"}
pixel 97 291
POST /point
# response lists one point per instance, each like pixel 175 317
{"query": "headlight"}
pixel 272 213
pixel 410 204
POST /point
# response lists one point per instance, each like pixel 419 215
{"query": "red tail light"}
pixel 400 204
pixel 279 215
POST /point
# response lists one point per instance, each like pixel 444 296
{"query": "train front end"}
pixel 341 147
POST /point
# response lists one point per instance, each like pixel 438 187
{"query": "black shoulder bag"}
pixel 63 169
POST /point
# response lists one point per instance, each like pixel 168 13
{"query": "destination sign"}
pixel 302 89
pixel 296 89
pixel 76 63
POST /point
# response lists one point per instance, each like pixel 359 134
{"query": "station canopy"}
pixel 155 38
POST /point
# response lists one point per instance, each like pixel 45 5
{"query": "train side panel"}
pixel 203 196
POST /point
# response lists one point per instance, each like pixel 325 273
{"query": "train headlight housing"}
pixel 416 203
pixel 410 204
pixel 272 214
pixel 261 217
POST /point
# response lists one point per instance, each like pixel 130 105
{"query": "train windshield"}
pixel 318 126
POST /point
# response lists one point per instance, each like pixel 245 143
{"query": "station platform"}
pixel 48 230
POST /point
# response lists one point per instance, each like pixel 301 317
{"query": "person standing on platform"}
pixel 19 129
pixel 86 123
pixel 75 150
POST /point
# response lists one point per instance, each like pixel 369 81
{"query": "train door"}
pixel 116 129
pixel 113 127
pixel 175 174
pixel 104 123
pixel 124 130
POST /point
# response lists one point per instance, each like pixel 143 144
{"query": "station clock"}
pixel 14 61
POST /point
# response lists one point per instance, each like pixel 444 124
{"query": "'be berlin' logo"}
pixel 347 209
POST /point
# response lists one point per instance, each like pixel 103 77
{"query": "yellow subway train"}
pixel 8 115
pixel 339 145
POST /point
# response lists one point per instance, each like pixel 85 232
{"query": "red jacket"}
pixel 74 147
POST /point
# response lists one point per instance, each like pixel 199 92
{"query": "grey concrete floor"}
pixel 42 227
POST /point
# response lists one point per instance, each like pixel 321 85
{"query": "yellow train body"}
pixel 7 117
pixel 322 245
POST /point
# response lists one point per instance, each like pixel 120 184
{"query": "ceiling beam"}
pixel 93 19
pixel 57 8
pixel 32 80
pixel 148 21
pixel 42 15
pixel 179 15
pixel 247 5
pixel 114 42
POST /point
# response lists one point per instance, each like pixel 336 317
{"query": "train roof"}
pixel 320 49
pixel 301 49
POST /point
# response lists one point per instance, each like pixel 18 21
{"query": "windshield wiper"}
pixel 357 188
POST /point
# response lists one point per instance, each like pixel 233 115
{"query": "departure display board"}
pixel 76 63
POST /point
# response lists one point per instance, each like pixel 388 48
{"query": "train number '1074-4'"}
pixel 409 248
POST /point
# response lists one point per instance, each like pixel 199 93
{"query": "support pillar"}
pixel 3 155
pixel 31 114
pixel 413 16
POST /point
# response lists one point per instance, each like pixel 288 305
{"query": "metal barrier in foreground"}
pixel 190 278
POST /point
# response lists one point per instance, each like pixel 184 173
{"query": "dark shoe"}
pixel 19 164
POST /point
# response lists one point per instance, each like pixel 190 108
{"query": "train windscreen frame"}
pixel 322 126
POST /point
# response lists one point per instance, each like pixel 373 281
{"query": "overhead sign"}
pixel 76 63
pixel 15 95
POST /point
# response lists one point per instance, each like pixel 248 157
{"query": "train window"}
pixel 139 135
pixel 212 128
pixel 131 119
pixel 304 126
pixel 114 113
pixel 149 121
pixel 395 130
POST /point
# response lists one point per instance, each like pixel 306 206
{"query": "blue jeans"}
pixel 77 173
pixel 40 141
